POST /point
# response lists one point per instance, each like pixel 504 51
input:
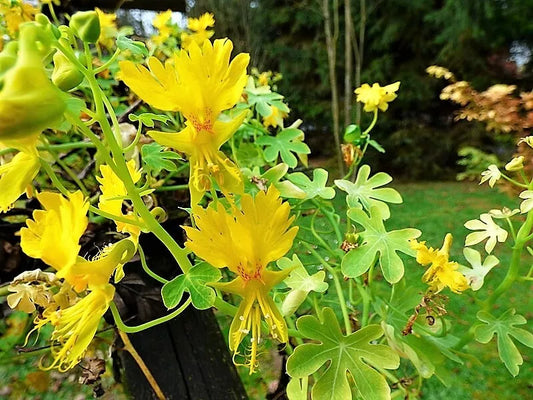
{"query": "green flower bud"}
pixel 29 102
pixel 65 75
pixel 86 26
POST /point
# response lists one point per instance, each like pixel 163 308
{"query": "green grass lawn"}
pixel 439 208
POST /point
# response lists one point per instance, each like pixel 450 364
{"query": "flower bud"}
pixel 516 164
pixel 65 75
pixel 86 25
pixel 29 102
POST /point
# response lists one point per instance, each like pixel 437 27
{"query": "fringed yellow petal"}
pixel 15 176
pixel 156 86
pixel 183 141
pixel 62 221
pixel 208 82
pixel 113 189
pixel 76 326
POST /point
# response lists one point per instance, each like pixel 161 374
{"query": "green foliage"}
pixel 378 244
pixel 316 187
pixel 194 282
pixel 504 327
pixel 300 283
pixel 263 99
pixel 136 47
pixel 367 193
pixel 155 159
pixel 352 353
pixel 283 145
pixel 475 161
pixel 148 119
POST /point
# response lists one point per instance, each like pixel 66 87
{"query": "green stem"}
pixel 70 173
pixel 172 188
pixel 372 124
pixel 331 219
pixel 512 273
pixel 148 270
pixel 57 147
pixel 338 287
pixel 118 218
pixel 179 254
pixel 514 182
pixel 134 329
pixel 54 178
pixel 106 65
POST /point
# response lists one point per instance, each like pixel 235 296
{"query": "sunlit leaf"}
pixel 194 282
pixel 316 187
pixel 147 119
pixel 283 145
pixel 156 159
pixel 300 283
pixel 505 328
pixel 378 244
pixel 352 354
pixel 367 192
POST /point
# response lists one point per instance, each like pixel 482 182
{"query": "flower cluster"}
pixel 83 297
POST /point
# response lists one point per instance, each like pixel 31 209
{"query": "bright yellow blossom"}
pixel 112 189
pixel 15 13
pixel 75 326
pixel 441 272
pixel 16 176
pixel 376 97
pixel 199 27
pixel 63 221
pixel 275 118
pixel 161 23
pixel 108 29
pixel 200 83
pixel 246 241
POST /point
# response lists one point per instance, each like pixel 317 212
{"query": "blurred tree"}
pixel 482 41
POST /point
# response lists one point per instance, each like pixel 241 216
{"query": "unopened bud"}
pixel 65 75
pixel 86 26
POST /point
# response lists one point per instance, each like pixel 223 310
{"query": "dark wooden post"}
pixel 187 355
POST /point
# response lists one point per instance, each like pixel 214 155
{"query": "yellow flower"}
pixel 441 272
pixel 200 33
pixel 263 78
pixel 275 118
pixel 246 241
pixel 162 19
pixel 376 97
pixel 108 29
pixel 112 189
pixel 75 326
pixel 16 176
pixel 15 13
pixel 206 20
pixel 53 235
pixel 200 83
pixel 64 221
pixel 440 72
pixel 161 22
